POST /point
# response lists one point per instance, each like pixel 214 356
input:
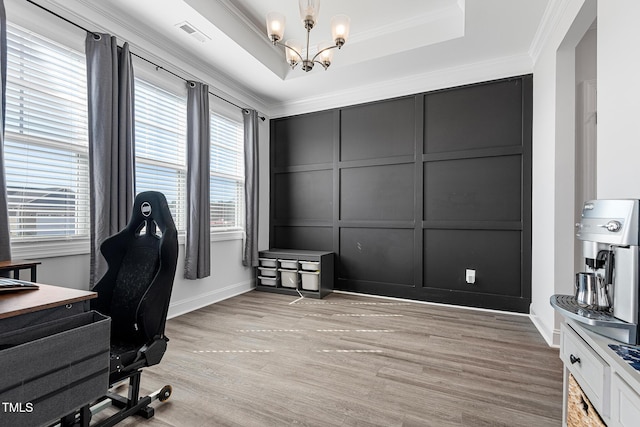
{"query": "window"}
pixel 227 174
pixel 46 146
pixel 46 139
pixel 160 144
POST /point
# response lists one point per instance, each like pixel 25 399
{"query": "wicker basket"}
pixel 580 411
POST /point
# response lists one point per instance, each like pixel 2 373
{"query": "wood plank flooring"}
pixel 348 360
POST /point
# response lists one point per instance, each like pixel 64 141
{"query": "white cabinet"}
pixel 610 384
pixel 590 370
pixel 625 404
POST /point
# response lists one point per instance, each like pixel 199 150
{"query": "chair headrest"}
pixel 151 206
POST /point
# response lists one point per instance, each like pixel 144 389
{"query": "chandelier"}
pixel 293 49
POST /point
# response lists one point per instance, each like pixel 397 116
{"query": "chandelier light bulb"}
pixel 340 29
pixel 294 53
pixel 325 50
pixel 309 10
pixel 275 26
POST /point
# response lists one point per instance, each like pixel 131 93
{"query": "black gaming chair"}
pixel 135 293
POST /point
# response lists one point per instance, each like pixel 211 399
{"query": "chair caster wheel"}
pixel 165 393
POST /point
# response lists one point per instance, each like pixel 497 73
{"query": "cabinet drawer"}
pixel 625 404
pixel 268 262
pixel 589 369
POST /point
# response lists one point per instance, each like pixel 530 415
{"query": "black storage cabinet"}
pixel 289 271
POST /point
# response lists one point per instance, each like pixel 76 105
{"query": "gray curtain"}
pixel 5 244
pixel 111 144
pixel 250 253
pixel 197 262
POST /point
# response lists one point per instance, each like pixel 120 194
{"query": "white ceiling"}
pixel 412 41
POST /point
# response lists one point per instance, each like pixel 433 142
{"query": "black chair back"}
pixel 136 289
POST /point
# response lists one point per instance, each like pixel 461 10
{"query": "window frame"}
pixel 55 245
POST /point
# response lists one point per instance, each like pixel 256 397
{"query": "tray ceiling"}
pixel 390 42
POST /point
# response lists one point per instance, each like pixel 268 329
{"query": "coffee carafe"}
pixel 591 291
pixel 594 287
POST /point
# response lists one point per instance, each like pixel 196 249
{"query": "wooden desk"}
pixel 28 301
pixel 22 308
pixel 16 265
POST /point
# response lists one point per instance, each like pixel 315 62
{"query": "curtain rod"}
pixel 158 67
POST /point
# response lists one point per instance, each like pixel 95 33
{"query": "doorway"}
pixel 586 126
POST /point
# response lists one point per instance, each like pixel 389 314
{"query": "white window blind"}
pixel 160 144
pixel 46 139
pixel 227 174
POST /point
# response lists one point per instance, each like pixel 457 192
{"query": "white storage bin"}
pixel 289 278
pixel 268 272
pixel 268 262
pixel 268 281
pixel 310 265
pixel 289 264
pixel 310 280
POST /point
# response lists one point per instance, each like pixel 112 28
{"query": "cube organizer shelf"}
pixel 289 271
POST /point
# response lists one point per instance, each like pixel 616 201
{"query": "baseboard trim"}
pixel 185 306
pixel 556 338
pixel 441 304
pixel 551 337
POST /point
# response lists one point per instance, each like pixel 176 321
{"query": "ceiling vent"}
pixel 193 31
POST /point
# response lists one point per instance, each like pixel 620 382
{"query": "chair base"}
pixel 133 404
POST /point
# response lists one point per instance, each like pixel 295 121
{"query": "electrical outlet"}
pixel 470 276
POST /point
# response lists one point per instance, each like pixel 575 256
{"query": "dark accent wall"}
pixel 411 192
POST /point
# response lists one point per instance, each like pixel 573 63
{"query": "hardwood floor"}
pixel 347 360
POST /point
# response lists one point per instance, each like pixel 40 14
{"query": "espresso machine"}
pixel 607 298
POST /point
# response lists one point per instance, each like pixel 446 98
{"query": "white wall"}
pixel 554 161
pixel 618 99
pixel 618 134
pixel 586 58
pixel 70 271
pixel 228 276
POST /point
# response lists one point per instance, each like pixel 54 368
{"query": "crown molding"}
pixel 241 16
pixel 410 85
pixel 409 23
pixel 548 24
pixel 249 24
pixel 247 34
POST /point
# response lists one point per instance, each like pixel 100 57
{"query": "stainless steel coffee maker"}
pixel 606 297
